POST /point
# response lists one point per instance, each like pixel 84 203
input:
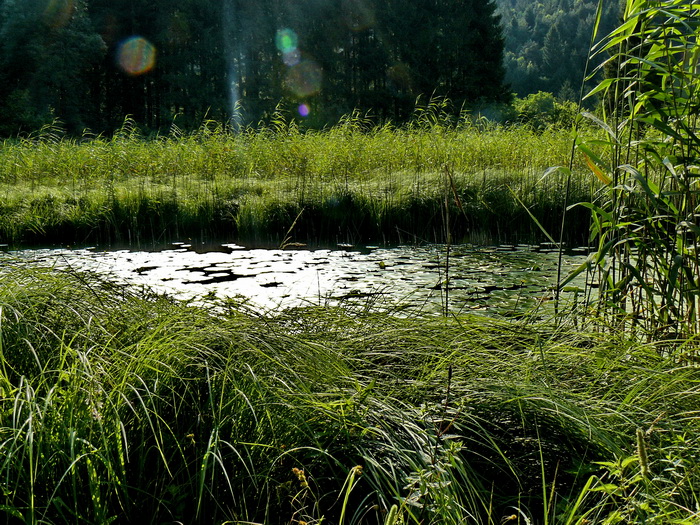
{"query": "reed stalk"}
pixel 644 218
pixel 358 182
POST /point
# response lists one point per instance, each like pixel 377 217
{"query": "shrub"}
pixel 541 110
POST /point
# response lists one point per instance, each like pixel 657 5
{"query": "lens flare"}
pixel 178 31
pixel 109 29
pixel 304 110
pixel 57 13
pixel 292 58
pixel 286 40
pixel 136 55
pixel 399 76
pixel 304 79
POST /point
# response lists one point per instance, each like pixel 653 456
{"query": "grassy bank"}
pixel 131 408
pixel 352 183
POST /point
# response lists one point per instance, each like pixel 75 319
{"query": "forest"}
pixel 88 64
pixel 547 43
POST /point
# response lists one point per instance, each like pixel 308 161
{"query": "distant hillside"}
pixel 547 42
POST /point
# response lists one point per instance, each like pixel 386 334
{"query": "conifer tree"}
pixel 91 63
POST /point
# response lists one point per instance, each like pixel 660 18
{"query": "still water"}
pixel 503 280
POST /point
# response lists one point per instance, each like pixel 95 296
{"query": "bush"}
pixel 541 110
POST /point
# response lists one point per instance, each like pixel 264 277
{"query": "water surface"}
pixel 504 280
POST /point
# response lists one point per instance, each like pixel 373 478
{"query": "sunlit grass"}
pixel 121 404
pixel 355 184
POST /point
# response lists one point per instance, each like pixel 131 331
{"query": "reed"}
pixel 357 182
pixel 124 406
pixel 645 218
pixel 118 405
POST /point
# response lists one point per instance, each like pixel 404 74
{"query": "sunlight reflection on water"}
pixel 493 280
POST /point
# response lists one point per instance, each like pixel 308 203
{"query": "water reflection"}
pixel 506 280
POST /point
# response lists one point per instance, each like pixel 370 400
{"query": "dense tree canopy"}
pixel 547 42
pixel 89 63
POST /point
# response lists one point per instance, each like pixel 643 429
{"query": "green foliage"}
pixel 47 55
pixel 225 60
pixel 124 406
pixel 547 43
pixel 542 110
pixel 17 113
pixel 638 489
pixel 644 221
pixel 357 182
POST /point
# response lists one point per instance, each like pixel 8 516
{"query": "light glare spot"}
pixel 286 40
pixel 57 13
pixel 304 110
pixel 358 14
pixel 136 55
pixel 291 58
pixel 304 79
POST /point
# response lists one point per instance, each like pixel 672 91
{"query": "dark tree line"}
pixel 72 60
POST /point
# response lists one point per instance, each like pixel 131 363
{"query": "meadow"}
pixel 355 183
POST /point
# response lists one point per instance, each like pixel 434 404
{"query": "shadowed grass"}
pixel 153 410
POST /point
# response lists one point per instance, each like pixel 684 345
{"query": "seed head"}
pixel 642 452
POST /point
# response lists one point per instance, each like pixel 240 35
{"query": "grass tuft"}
pixel 123 406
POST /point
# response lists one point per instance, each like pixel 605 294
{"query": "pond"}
pixel 496 280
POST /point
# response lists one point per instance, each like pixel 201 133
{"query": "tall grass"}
pixel 124 407
pixel 356 182
pixel 645 220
